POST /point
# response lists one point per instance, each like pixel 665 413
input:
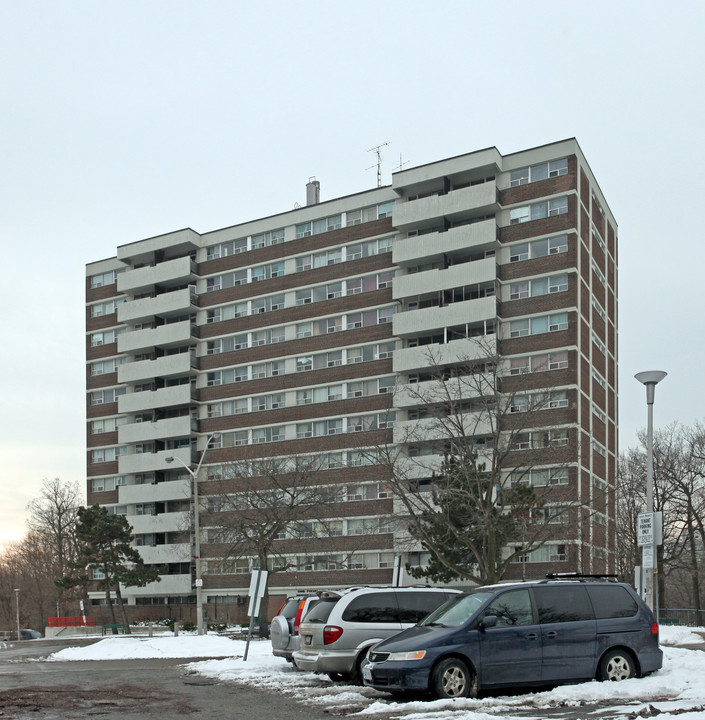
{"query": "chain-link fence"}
pixel 682 616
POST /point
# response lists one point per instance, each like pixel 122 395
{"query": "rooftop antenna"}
pixel 401 164
pixel 377 149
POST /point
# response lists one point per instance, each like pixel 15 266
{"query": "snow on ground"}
pixel 125 647
pixel 678 688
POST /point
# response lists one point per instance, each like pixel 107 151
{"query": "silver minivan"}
pixel 341 627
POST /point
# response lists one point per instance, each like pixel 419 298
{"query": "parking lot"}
pixel 265 686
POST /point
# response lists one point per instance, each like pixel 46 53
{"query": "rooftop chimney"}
pixel 313 191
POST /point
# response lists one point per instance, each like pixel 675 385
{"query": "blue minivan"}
pixel 522 634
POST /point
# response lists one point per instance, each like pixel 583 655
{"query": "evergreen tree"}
pixel 104 545
pixel 469 522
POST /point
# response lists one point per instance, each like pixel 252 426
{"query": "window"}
pixel 384 210
pixel 103 397
pixel 106 308
pixel 384 280
pixel 600 275
pixel 541 171
pixel 109 454
pixel 271 237
pixel 540 439
pixel 598 308
pixel 538 248
pixel 599 379
pixel 304 297
pixel 103 279
pixel 106 337
pixel 303 230
pixel 304 363
pixel 565 603
pixel 611 602
pixel 547 208
pixel 384 315
pixel 599 344
pixel 103 367
pixel 540 477
pixel 512 609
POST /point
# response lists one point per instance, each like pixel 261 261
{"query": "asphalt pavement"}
pixel 129 689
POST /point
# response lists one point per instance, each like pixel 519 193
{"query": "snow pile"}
pixel 673 635
pixel 125 648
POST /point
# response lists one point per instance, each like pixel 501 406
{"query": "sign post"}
pixel 649 535
pixel 258 584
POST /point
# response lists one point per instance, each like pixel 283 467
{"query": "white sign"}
pixel 647 557
pixel 198 582
pixel 258 583
pixel 645 529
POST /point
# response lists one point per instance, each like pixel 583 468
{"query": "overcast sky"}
pixel 123 120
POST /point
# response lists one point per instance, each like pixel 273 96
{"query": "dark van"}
pixel 524 634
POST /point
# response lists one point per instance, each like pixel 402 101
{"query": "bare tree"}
pixel 253 504
pixel 487 503
pixel 53 520
pixel 679 494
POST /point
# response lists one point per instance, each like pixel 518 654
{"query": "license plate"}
pixel 308 639
pixel 367 674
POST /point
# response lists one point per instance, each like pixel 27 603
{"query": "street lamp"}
pixel 196 527
pixel 649 562
pixel 17 603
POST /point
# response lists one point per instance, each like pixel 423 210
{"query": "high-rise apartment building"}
pixel 298 336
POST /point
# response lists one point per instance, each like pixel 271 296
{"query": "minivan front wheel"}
pixel 617 665
pixel 452 679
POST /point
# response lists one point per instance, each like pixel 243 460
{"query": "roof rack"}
pixel 581 576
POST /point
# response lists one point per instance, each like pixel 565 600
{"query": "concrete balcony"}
pixel 428 429
pixel 148 462
pixel 169 585
pixel 429 281
pixel 159 492
pixel 427 248
pixel 165 522
pixel 424 466
pixel 146 431
pixel 162 554
pixel 440 391
pixel 417 322
pixel 479 198
pixel 177 302
pixel 163 367
pixel 173 334
pixel 417 467
pixel 457 351
pixel 175 272
pixel 162 398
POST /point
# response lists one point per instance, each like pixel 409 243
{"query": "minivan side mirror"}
pixel 488 621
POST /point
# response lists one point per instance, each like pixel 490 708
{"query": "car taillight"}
pixel 297 619
pixel 281 607
pixel 331 633
pixel 654 629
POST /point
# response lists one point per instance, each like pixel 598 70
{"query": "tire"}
pixel 452 678
pixel 356 676
pixel 617 665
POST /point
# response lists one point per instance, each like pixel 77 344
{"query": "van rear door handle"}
pixel 551 634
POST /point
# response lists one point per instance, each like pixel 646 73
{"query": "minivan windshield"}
pixel 457 610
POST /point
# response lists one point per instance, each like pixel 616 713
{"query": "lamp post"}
pixel 649 563
pixel 17 603
pixel 196 528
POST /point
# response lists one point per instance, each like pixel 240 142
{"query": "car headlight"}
pixel 406 656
